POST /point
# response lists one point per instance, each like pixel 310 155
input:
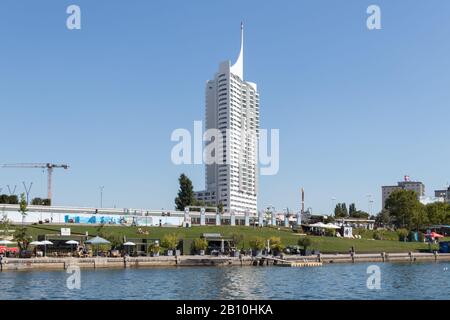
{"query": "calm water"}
pixel 339 281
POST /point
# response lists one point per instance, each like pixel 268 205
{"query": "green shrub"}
pixel 170 241
pixel 102 247
pixel 402 234
pixel 154 248
pixel 200 244
pixel 238 239
pixel 305 242
pixel 275 244
pixel 257 243
pixel 378 234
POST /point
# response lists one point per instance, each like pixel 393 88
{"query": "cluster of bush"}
pixel 13 199
pixel 5 199
pixel 402 234
pixel 276 246
pixel 405 235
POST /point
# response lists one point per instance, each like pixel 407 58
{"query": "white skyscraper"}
pixel 232 107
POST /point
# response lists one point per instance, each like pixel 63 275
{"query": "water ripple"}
pixel 338 281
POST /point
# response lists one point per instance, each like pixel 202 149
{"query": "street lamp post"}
pixel 369 202
pixel 333 200
pixel 101 196
pixel 371 207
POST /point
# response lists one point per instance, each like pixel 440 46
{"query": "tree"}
pixel 199 203
pixel 419 217
pixel 351 209
pixel 23 207
pixel 305 242
pixel 405 209
pixel 437 212
pixel 238 239
pixel 359 214
pixel 341 211
pixel 36 202
pixel 5 199
pixel 447 215
pixel 40 202
pixel 22 238
pixel 5 223
pixel 383 218
pixel 220 207
pixel 185 196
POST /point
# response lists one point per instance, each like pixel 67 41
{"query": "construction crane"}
pixel 48 166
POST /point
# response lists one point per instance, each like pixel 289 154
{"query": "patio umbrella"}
pixel 46 243
pixel 36 243
pixel 97 241
pixel 5 242
pixel 72 243
pixel 332 226
pixel 129 244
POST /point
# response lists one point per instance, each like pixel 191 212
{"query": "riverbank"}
pixel 288 237
pixel 36 264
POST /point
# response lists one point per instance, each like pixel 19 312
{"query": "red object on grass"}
pixel 4 249
pixel 436 235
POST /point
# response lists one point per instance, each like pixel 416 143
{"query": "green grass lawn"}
pixel 324 244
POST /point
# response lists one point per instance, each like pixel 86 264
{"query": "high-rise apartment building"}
pixel 232 107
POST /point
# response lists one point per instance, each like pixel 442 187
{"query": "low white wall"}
pixel 74 218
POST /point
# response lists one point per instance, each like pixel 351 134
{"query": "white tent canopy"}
pixel 318 225
pixel 324 226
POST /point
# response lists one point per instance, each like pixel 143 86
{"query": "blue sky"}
pixel 356 108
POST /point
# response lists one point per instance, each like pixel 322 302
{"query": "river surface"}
pixel 332 281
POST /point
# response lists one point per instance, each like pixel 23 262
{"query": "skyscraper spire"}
pixel 238 67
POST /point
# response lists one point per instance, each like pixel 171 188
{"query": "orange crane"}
pixel 48 166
